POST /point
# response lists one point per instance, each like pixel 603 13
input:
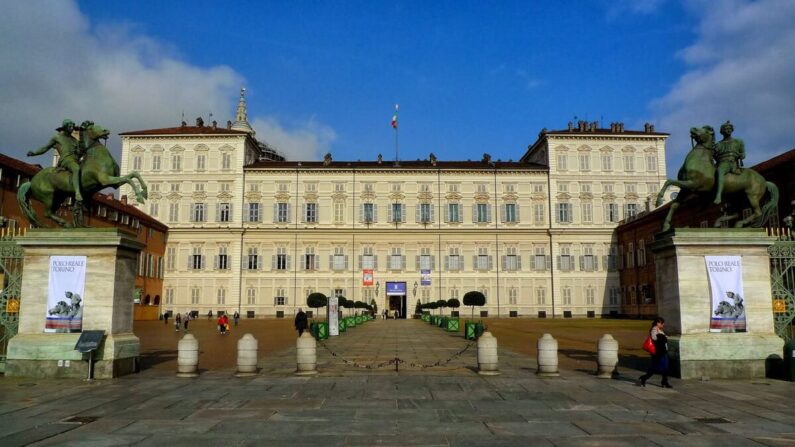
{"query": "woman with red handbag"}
pixel 659 354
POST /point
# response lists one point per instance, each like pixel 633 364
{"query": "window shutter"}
pixel 229 209
pixel 595 263
pixel 260 262
pixel 389 213
pixel 375 213
pixel 289 213
pixel 215 262
pixel 303 262
pixel 317 263
pixel 433 262
pixel 346 262
pixel 604 261
pixel 275 212
pixel 447 262
pixel 433 211
pixel 474 213
pixel 491 264
pixel 273 262
pixel 417 262
pixel 559 261
pixel 361 213
pixel 557 214
pixel 217 212
pixel 503 213
pixel 303 213
pixel 488 213
pixel 549 261
pixel 518 262
pixel 582 263
pixel 331 262
pixel 417 213
pixel 288 262
pixel 516 213
pixel 247 209
pixel 403 212
pixel 504 261
pixel 361 263
pixel 403 262
pixel 475 265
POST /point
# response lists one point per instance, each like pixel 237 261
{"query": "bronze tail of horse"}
pixel 770 206
pixel 24 204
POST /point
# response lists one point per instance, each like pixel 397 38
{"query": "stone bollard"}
pixel 188 356
pixel 487 355
pixel 247 356
pixel 548 356
pixel 306 355
pixel 606 357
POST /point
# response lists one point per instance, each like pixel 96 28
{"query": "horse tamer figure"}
pixel 699 175
pixel 85 167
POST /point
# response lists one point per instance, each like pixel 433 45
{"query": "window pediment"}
pixel 282 196
pixel 563 196
pixel 253 196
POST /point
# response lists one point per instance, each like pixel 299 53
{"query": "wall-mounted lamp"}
pixel 415 289
pixel 377 285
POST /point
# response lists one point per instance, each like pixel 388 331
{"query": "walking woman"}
pixel 659 360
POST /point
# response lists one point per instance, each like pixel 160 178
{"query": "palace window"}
pixel 368 213
pixel 201 161
pixel 173 211
pixel 510 213
pixel 540 260
pixel 588 262
pixel 611 212
pixel 339 211
pixel 310 260
pixel 280 299
pixel 562 162
pixel 221 296
pixel 224 212
pixel 156 160
pixel 565 259
pixel 253 212
pixel 197 212
pixel 176 162
pixel 171 258
pixel 251 295
pixel 338 260
pixel 425 214
pixel 564 212
pixel 281 212
pixel 539 213
pixel 226 160
pixel 538 188
pixel 368 260
pixel 614 296
pixel 454 260
pixel 607 162
pixel 630 210
pixel 454 213
pixel 137 163
pixel 154 209
pixel 512 293
pixel 396 259
pixel 590 296
pixel 511 261
pixel 541 295
pixel 587 212
pixel 397 213
pixel 280 259
pixel 169 295
pixel 310 212
pixel 629 163
pixel 253 259
pixel 483 261
pixel 567 296
pixel 222 261
pixel 585 162
pixel 425 260
pixel 651 163
pixel 195 295
pixel 482 213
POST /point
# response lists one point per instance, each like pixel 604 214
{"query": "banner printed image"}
pixel 65 294
pixel 726 287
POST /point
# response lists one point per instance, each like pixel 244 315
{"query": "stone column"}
pixel 684 300
pixel 111 256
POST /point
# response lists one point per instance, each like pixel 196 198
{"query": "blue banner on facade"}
pixel 395 288
pixel 425 277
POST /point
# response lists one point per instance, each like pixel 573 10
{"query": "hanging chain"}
pixel 396 361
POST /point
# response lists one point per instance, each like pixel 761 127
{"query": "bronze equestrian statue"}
pixel 700 176
pixel 88 160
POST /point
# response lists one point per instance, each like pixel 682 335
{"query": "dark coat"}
pixel 300 321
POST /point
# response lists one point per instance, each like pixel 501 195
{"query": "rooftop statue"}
pixel 85 167
pixel 700 175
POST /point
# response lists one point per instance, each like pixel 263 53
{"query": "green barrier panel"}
pixel 313 329
pixel 350 321
pixel 469 330
pixel 479 329
pixel 342 325
pixel 359 319
pixel 322 331
pixel 426 317
pixel 442 321
pixel 453 325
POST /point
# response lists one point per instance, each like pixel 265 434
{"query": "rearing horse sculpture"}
pixel 697 177
pixel 98 171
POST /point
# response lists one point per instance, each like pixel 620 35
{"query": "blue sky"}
pixel 470 77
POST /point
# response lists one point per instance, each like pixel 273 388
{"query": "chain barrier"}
pixel 396 361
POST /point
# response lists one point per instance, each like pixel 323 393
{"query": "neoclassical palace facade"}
pixel 251 231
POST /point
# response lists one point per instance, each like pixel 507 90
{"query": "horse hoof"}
pixel 717 201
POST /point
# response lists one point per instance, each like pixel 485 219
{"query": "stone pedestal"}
pixel 684 300
pixel 111 264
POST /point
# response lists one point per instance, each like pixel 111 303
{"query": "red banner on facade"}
pixel 367 277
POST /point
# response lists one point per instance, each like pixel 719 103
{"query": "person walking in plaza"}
pixel 209 315
pixel 300 321
pixel 659 360
pixel 186 320
pixel 225 319
pixel 236 317
pixel 221 325
pixel 177 322
pixel 165 317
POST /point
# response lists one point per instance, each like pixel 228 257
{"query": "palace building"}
pixel 254 232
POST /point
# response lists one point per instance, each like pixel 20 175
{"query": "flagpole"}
pixel 397 146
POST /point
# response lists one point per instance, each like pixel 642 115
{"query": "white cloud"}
pixel 741 67
pixel 56 65
pixel 618 7
pixel 308 140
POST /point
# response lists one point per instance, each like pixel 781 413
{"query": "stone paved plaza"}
pixel 348 404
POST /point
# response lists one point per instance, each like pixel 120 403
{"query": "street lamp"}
pixel 415 289
pixel 377 285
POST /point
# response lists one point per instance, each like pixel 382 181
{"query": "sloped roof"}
pixel 186 130
pixel 416 164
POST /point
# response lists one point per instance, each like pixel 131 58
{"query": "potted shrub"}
pixel 474 298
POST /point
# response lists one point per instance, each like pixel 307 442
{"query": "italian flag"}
pixel 394 117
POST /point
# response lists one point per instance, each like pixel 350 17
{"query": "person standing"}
pixel 221 325
pixel 186 321
pixel 177 322
pixel 237 317
pixel 165 317
pixel 300 322
pixel 659 360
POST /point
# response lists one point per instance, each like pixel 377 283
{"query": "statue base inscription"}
pixel 111 264
pixel 685 301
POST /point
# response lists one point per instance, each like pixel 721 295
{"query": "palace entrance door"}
pixel 396 298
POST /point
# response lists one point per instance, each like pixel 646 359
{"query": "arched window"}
pixel 147 300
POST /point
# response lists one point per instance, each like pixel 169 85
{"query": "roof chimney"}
pixel 581 125
pixel 123 199
pixel 571 126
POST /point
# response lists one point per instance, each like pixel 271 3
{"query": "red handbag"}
pixel 648 345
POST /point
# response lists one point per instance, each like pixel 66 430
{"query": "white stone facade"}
pixel 260 236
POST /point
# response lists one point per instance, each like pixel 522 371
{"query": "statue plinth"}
pixel 684 300
pixel 111 265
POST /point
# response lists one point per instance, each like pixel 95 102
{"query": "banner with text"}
pixel 333 316
pixel 367 277
pixel 65 294
pixel 726 287
pixel 425 277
